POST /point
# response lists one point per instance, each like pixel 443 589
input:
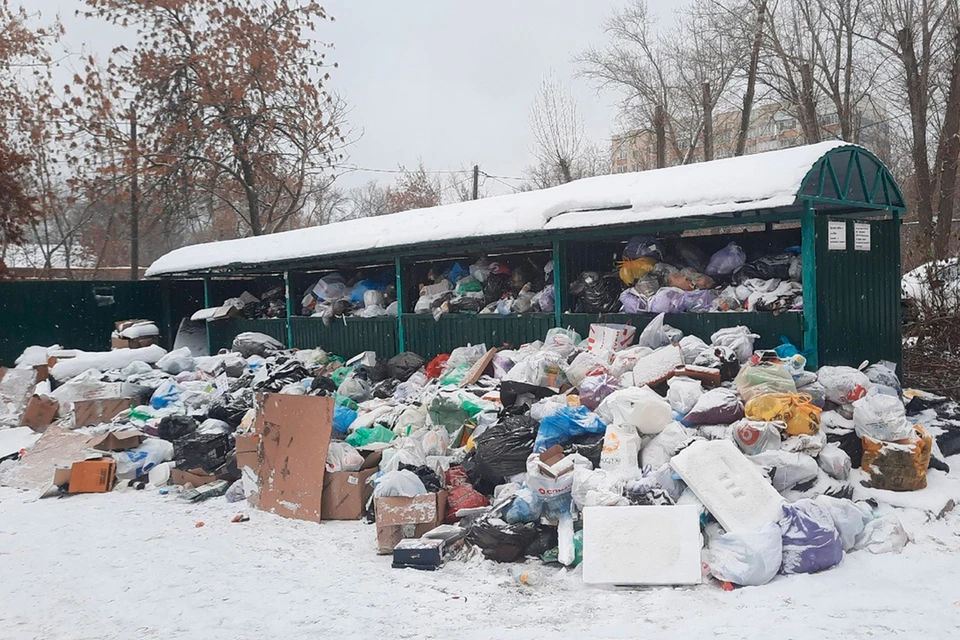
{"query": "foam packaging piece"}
pixel 641 545
pixel 729 485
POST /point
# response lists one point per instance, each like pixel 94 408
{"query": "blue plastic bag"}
pixel 343 417
pixel 811 541
pixel 166 394
pixel 728 260
pixel 642 247
pixel 565 425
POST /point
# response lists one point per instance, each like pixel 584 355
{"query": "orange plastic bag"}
pixel 633 270
pixel 900 465
pixel 796 410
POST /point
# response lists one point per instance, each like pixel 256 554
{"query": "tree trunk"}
pixel 809 121
pixel 659 126
pixel 751 81
pixel 707 123
pixel 918 121
pixel 948 156
pixel 253 202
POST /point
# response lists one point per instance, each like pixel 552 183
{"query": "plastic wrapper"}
pixel 881 417
pixel 764 378
pixel 717 406
pixel 756 437
pixel 811 542
pixel 683 394
pixel 643 247
pixel 726 261
pixel 843 385
pixel 698 301
pixel 797 411
pixel 667 300
pixel 566 424
pixel 747 558
pixel 632 270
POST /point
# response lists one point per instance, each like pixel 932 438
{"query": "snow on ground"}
pixel 134 564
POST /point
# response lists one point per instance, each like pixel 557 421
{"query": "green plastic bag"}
pixel 446 410
pixel 553 555
pixel 367 435
pixel 340 375
pixel 344 401
pixel 455 376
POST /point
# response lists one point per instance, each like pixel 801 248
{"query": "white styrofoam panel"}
pixel 729 485
pixel 641 545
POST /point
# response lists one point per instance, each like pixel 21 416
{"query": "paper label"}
pixel 836 235
pixel 353 480
pixel 861 236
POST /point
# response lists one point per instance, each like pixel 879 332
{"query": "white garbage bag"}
pixel 747 558
pixel 399 484
pixel 883 535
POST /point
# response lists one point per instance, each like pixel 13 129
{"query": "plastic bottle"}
pixel 524 576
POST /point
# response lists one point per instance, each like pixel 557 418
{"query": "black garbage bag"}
pixel 943 406
pixel 949 439
pixel 776 266
pixel 502 450
pixel 377 372
pixel 851 444
pixel 404 365
pixel 207 451
pixel 231 407
pixel 175 427
pixel 545 540
pixel 251 343
pixel 469 465
pixel 385 388
pixel 428 476
pixel 496 286
pixel 323 386
pixel 589 445
pixel 502 542
pixel 465 304
pixel 513 393
pixel 690 255
pixel 597 293
pixel 280 374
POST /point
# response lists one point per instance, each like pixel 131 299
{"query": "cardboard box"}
pixel 40 413
pixel 132 343
pixel 92 476
pixel 420 553
pixel 474 373
pixel 196 477
pixel 401 518
pixel 345 494
pixel 117 440
pixel 99 411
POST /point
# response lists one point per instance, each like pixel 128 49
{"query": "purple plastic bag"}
pixel 593 389
pixel 698 301
pixel 717 406
pixel 632 301
pixel 811 541
pixel 667 300
pixel 642 247
pixel 726 261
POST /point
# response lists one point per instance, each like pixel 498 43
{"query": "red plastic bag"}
pixel 456 477
pixel 435 367
pixel 463 497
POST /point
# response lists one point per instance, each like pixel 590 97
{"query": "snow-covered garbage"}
pixel 774 462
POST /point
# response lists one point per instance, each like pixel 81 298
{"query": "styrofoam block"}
pixel 729 485
pixel 641 545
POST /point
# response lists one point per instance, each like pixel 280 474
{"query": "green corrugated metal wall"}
pixel 347 337
pixel 429 337
pixel 703 325
pixel 81 314
pixel 858 296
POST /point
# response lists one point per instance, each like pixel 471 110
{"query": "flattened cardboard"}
pixel 40 413
pixel 132 343
pixel 117 440
pixel 474 372
pixel 57 446
pixel 93 476
pixel 294 436
pixel 345 494
pixel 196 477
pixel 92 412
pixel 400 518
pixel 248 462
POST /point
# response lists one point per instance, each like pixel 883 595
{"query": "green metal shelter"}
pixel 837 201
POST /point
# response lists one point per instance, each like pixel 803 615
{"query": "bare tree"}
pixel 557 126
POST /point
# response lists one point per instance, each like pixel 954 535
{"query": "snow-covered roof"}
pixel 746 183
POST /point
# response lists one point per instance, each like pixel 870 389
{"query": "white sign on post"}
pixel 861 236
pixel 837 235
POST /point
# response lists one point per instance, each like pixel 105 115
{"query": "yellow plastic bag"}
pixel 633 270
pixel 900 465
pixel 796 410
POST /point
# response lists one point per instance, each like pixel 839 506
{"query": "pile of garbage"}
pixel 271 304
pixel 677 277
pixel 361 296
pixel 531 451
pixel 488 287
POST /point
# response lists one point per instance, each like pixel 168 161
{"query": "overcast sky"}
pixel 448 81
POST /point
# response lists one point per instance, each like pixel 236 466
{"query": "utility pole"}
pixel 476 181
pixel 660 127
pixel 707 123
pixel 134 200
